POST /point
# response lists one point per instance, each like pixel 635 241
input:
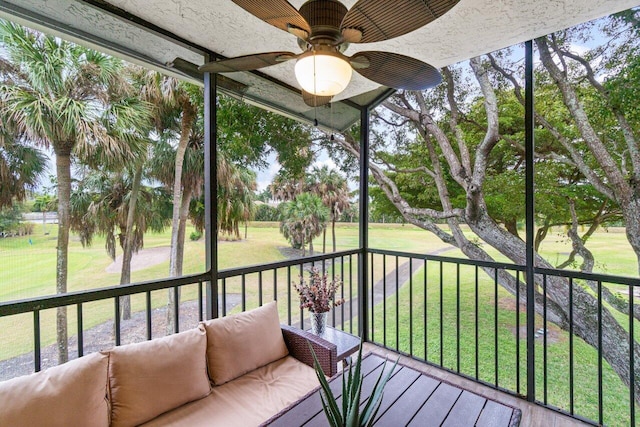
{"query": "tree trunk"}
pixel 182 230
pixel 324 241
pixel 177 193
pixel 541 234
pixel 63 170
pixel 512 226
pixel 333 232
pixel 615 340
pixel 631 213
pixel 127 253
pixel 188 115
pixel 304 244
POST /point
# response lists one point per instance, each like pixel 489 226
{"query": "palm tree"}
pixel 236 187
pixel 101 204
pixel 21 167
pixel 285 187
pixel 162 168
pixel 177 104
pixel 334 192
pixel 54 94
pixel 246 205
pixel 45 203
pixel 186 98
pixel 175 107
pixel 235 198
pixel 303 219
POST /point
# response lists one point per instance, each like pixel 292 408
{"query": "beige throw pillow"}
pixel 149 378
pixel 71 394
pixel 242 342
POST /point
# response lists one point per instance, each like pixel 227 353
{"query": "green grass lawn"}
pixel 28 270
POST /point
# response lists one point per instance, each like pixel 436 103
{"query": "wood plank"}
pixel 494 414
pixel 437 407
pixel 411 401
pixel 369 363
pixel 397 385
pixel 466 410
pixel 305 409
pixel 370 380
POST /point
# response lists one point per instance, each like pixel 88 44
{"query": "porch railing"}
pixel 448 312
pixel 454 314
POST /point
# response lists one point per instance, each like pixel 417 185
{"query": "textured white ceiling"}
pixel 472 27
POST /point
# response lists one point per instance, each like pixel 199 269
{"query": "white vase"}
pixel 319 323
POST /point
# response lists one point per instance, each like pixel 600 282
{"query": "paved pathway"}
pixel 349 310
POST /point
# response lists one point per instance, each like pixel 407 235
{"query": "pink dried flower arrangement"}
pixel 318 295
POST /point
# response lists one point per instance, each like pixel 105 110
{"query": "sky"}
pixel 265 176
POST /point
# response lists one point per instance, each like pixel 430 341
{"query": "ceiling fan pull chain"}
pixel 331 138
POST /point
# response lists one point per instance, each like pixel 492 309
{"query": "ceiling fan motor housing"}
pixel 324 18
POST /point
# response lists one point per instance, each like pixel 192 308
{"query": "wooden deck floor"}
pixel 411 398
pixel 532 415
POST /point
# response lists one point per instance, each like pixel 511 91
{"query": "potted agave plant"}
pixel 349 413
pixel 319 296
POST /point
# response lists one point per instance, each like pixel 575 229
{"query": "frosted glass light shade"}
pixel 323 74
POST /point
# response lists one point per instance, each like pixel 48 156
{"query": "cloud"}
pixel 325 162
pixel 264 177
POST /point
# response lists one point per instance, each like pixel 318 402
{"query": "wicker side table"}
pixel 346 343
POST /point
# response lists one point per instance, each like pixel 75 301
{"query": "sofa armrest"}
pixel 298 342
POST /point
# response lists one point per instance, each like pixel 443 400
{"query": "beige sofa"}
pixel 239 370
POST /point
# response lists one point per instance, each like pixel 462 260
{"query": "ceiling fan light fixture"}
pixel 323 73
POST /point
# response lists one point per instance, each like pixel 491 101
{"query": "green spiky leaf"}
pixel 351 414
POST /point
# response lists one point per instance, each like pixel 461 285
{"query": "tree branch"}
pixel 597 148
pixel 579 248
pixel 577 158
pixel 453 122
pixel 627 131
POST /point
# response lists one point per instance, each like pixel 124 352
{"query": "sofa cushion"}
pixel 242 342
pixel 71 394
pixel 248 400
pixel 152 377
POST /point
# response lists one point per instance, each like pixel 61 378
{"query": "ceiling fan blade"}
pixel 279 13
pixel 383 20
pixel 247 63
pixel 315 100
pixel 395 71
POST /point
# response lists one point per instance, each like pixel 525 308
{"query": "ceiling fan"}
pixel 325 28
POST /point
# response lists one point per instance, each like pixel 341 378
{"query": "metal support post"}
pixel 529 203
pixel 211 192
pixel 363 264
